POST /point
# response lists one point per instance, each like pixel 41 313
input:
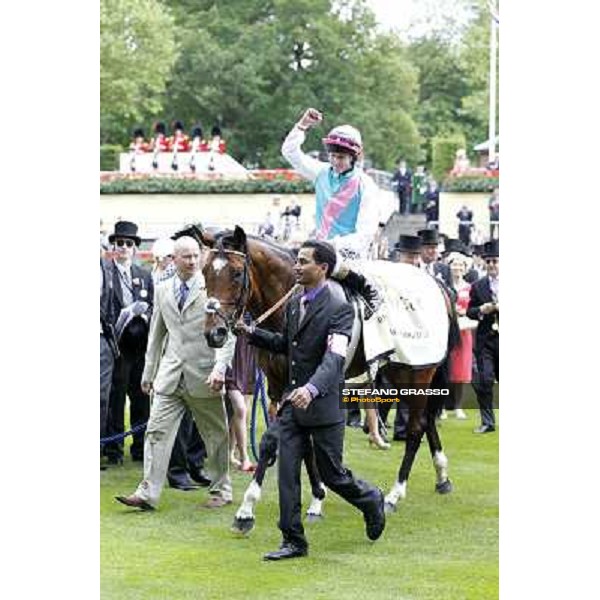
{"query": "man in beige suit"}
pixel 187 373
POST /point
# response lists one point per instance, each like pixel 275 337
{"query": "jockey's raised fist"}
pixel 310 117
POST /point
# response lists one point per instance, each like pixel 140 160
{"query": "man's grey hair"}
pixel 185 243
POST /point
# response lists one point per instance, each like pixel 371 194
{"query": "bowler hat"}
pixel 408 243
pixel 127 230
pixel 429 237
pixel 491 249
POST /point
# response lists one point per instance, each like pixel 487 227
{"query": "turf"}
pixel 434 547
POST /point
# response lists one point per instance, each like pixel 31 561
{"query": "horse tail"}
pixel 454 337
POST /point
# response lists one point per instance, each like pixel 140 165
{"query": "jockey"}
pixel 348 211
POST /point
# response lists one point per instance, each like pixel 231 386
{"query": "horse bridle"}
pixel 213 305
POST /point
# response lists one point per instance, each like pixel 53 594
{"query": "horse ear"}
pixel 197 232
pixel 239 238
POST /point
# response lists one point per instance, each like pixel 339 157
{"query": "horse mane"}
pixel 227 237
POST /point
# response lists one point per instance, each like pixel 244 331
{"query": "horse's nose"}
pixel 216 337
pixel 212 306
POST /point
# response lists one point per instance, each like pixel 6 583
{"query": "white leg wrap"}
pixel 251 497
pixel 440 462
pixel 398 492
pixel 315 508
pixel 316 505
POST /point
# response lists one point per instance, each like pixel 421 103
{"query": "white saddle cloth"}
pixel 411 326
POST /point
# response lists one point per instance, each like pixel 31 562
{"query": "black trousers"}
pixel 328 441
pixel 464 234
pixel 189 451
pixel 403 201
pixel 488 367
pixel 107 361
pixel 127 381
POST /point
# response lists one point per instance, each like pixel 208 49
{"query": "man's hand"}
pixel 240 328
pixel 300 398
pixel 310 117
pixel 487 308
pixel 216 380
pixel 273 406
pixel 146 387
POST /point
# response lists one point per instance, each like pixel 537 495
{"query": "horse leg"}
pixel 319 491
pixel 443 485
pixel 244 519
pixel 413 441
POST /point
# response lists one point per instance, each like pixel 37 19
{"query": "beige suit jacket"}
pixel 186 350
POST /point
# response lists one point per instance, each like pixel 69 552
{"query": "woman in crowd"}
pixel 461 357
pixel 162 251
pixel 239 380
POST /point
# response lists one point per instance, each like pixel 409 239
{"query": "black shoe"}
pixel 484 429
pixel 354 423
pixel 375 519
pixel 137 457
pixel 199 476
pixel 286 550
pixel 399 436
pixel 183 483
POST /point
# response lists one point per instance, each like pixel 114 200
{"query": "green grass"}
pixel 434 547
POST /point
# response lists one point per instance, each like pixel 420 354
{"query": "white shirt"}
pixel 495 287
pixel 125 280
pixel 370 211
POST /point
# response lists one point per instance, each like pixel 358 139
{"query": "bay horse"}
pixel 247 273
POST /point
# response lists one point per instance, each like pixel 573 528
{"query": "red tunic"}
pixel 139 147
pixel 161 143
pixel 180 142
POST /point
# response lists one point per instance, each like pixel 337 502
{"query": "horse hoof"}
pixel 242 526
pixel 444 488
pixel 389 508
pixel 313 518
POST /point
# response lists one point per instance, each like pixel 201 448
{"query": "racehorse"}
pixel 247 273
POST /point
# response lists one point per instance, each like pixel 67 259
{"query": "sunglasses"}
pixel 121 243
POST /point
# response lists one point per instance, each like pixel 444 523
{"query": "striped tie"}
pixel 183 294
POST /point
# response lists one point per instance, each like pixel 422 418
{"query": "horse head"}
pixel 227 276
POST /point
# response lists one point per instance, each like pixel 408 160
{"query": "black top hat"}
pixel 455 245
pixel 429 237
pixel 197 131
pixel 177 125
pixel 138 133
pixel 127 230
pixel 409 243
pixel 216 130
pixel 478 249
pixel 491 249
pixel 160 128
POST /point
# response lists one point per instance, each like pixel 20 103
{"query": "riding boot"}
pixel 359 284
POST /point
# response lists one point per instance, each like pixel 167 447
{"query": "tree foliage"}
pixel 137 51
pixel 253 67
